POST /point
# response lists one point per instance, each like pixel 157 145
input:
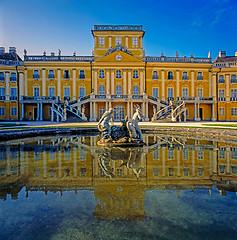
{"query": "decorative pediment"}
pixel 118 48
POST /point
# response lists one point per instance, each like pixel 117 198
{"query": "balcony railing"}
pixel 100 96
pixel 2 79
pixel 233 99
pixel 137 96
pixel 13 79
pixel 221 99
pixel 119 96
pixel 51 76
pixel 185 78
pixel 10 62
pixel 40 98
pixel 177 59
pixel 2 97
pixel 199 78
pixel 60 58
pixel 13 98
pixel 118 27
pixel 153 98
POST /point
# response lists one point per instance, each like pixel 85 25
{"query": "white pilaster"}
pixel 126 42
pixel 141 82
pixel 129 81
pixel 59 83
pixel 213 112
pixel 21 84
pixel 112 81
pixel 107 82
pixel 7 86
pixel 192 84
pixel 74 84
pixel 43 83
pixel 214 86
pixel 110 45
pixel 95 82
pixel 163 84
pixel 41 111
pixel 26 85
pixel 227 87
pixel 124 82
pixel 210 95
pixel 177 83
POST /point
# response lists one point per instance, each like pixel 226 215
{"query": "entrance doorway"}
pixel 118 113
pixel 201 113
pixel 35 113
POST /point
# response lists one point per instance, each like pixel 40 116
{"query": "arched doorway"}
pixel 119 113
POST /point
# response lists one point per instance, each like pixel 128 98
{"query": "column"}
pixel 41 111
pixel 192 84
pixel 214 161
pixel 195 112
pixel 143 109
pixel 75 160
pixel 110 45
pixel 59 157
pixel 227 77
pixel 38 111
pixel 146 116
pixel 213 112
pixel 210 95
pixel 91 117
pixel 21 85
pixel 74 95
pixel 126 39
pixel 128 113
pixel 43 83
pixel 124 82
pixel 52 113
pixel 59 83
pixel 7 86
pixel 163 162
pixel 26 90
pixel 129 81
pixel 141 42
pixel 44 165
pixel 177 83
pixel 163 84
pixel 178 162
pixel 141 82
pixel 107 82
pixel 95 81
pixel 112 81
pixel 22 111
pixel 198 112
pixel 131 109
pixel 228 160
pixel 214 86
pixel 193 163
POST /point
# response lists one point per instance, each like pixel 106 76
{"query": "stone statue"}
pixel 59 52
pixel 83 113
pixel 104 126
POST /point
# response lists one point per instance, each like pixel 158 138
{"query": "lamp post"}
pixel 217 95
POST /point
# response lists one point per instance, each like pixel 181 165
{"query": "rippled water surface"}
pixel 66 187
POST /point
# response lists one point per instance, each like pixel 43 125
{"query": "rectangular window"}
pixel 101 111
pixel 199 76
pixel 156 155
pixel 222 111
pixel 82 155
pixel 2 93
pixel 51 91
pixel 233 152
pixel 118 90
pixel 170 94
pixel 222 153
pixel 200 171
pixel 81 91
pixel 135 41
pixel 222 168
pixel 186 172
pixel 118 41
pixel 233 111
pixel 185 153
pixel 155 75
pixel 185 92
pixel 221 94
pixel 200 93
pixel 13 93
pixel 2 111
pixel 13 111
pixel 2 78
pixel 101 41
pixel 200 154
pixel 135 90
pixel 36 74
pixel 36 91
pixel 185 76
pixel 155 92
pixel 171 153
pixel 155 171
pixel 66 92
pixel 51 74
pixel 233 94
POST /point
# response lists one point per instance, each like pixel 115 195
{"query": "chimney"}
pixel 222 54
pixel 236 53
pixel 52 54
pixel 2 50
pixel 12 50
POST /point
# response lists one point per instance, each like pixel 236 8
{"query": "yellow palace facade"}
pixel 118 74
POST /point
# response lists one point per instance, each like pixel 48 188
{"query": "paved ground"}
pixel 182 124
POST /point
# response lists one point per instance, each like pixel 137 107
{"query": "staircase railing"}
pixel 163 112
pixel 177 111
pixel 59 111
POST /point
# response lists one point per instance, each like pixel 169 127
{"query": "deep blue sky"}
pixel 186 26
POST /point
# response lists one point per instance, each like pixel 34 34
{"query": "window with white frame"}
pixel 101 90
pixel 101 111
pixel 155 171
pixel 170 93
pixel 233 93
pixel 13 93
pixel 200 171
pixel 233 79
pixel 222 111
pixel 82 91
pixel 36 74
pixel 186 171
pixel 185 76
pixel 233 152
pixel 51 91
pixel 36 91
pixel 222 153
pixel 221 94
pixel 171 153
pixel 2 92
pixel 67 92
pixel 221 79
pixel 156 154
pixel 118 41
pixel 200 154
pixel 135 90
pixel 101 41
pixel 101 74
pixel 135 41
pixel 185 92
pixel 155 92
pixel 51 74
pixel 13 111
pixel 222 168
pixel 118 90
pixel 118 74
pixel 185 154
pixel 155 75
pixel 199 76
pixel 82 74
pixel 233 111
pixel 66 74
pixel 170 75
pixel 200 92
pixel 2 111
pixel 135 74
pixel 2 78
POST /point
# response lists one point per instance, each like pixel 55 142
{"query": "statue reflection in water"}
pixel 130 158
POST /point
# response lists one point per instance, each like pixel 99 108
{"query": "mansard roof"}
pixel 226 59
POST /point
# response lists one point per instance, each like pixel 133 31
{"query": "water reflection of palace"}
pixel 118 177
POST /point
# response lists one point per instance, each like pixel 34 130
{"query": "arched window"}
pixel 118 113
pixel 66 74
pixel 135 90
pixel 101 74
pixel 170 75
pixel 155 75
pixel 36 74
pixel 13 76
pixel 51 74
pixel 135 74
pixel 82 74
pixel 119 90
pixel 233 79
pixel 221 79
pixel 199 76
pixel 185 76
pixel 102 90
pixel 2 76
pixel 118 74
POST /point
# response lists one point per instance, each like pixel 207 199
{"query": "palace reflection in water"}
pixel 118 177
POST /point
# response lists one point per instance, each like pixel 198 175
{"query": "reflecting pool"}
pixel 66 187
